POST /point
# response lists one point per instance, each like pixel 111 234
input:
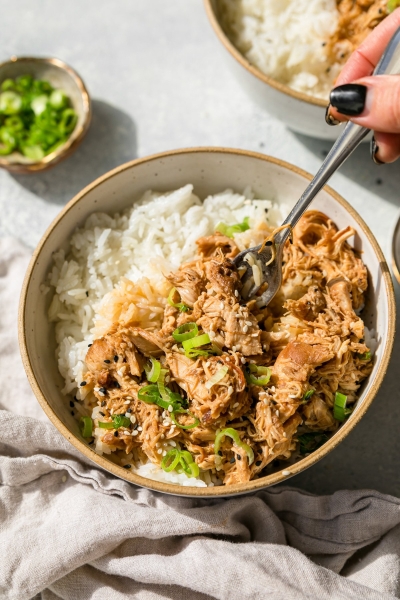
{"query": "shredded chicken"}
pixel 311 337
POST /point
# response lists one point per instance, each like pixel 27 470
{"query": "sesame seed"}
pixel 71 403
pixel 116 358
pixel 90 345
pixel 127 402
pixel 292 396
pixel 277 413
pixel 222 306
pixel 162 436
pixel 159 451
pixel 135 433
pixel 286 473
pixel 82 383
pixel 245 329
pixel 235 405
pixel 243 360
pixel 284 434
pixel 170 408
pixel 112 411
pixel 232 460
pixel 230 390
pixel 233 348
pixel 133 419
pixel 127 466
pixel 236 294
pixel 140 428
pixel 172 443
pixel 238 457
pixel 72 413
pixel 107 361
pixel 249 323
pixel 102 414
pixel 258 463
pixel 103 403
pixel 103 390
pixel 115 433
pixel 164 452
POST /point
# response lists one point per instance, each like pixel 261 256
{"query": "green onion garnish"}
pixel 149 394
pixel 34 117
pixel 180 460
pixel 264 372
pixel 86 426
pixel 181 411
pixel 233 434
pixel 117 422
pixel 185 332
pixel 230 230
pixel 392 5
pixel 153 372
pixel 308 395
pixel 196 342
pixel 180 305
pixel 366 356
pixel 218 376
pixel 104 425
pixel 340 410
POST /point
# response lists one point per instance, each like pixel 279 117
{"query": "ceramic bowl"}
pixel 61 76
pixel 301 112
pixel 210 170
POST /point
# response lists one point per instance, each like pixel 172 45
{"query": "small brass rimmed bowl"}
pixel 59 75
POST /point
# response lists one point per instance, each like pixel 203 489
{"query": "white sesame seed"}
pixel 172 443
pixel 249 323
pixel 157 444
pixel 127 402
pixel 235 405
pixel 243 360
pixel 207 364
pixel 127 432
pixel 162 436
pixel 284 434
pixel 222 306
pixel 277 413
pixel 135 432
pixel 170 408
pixel 133 419
pixel 112 411
pixel 272 388
pixel 230 390
pixel 285 473
pixel 129 398
pixel 292 395
pixel 164 452
pixel 236 294
pixel 140 428
pixel 233 348
pixel 159 451
pixel 245 329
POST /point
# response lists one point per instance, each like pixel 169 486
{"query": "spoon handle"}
pixel 346 143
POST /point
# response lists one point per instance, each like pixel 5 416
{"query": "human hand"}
pixel 373 102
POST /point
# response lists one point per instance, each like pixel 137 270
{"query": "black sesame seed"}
pixel 103 390
pixel 268 243
pixel 76 399
pixel 129 410
pixel 124 359
pixel 116 358
pixel 258 463
pixel 107 361
pixel 87 294
pixel 116 384
pixel 103 403
pixel 90 443
pixel 127 466
pixel 219 452
pixel 266 210
pixel 83 383
pixel 72 413
pixel 232 460
pixel 90 345
pixel 115 433
pixel 102 414
pixel 72 404
pixel 238 457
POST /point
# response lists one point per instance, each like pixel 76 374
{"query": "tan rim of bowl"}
pixel 238 56
pixel 395 257
pixel 77 135
pixel 236 489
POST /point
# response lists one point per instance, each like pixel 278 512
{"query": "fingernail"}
pixel 374 151
pixel 329 119
pixel 349 99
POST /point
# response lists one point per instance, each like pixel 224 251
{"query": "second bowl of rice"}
pixel 141 353
pixel 287 55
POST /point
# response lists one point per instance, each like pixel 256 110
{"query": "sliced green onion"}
pixel 8 141
pixel 215 349
pixel 392 5
pixel 58 99
pixel 33 152
pixel 181 411
pixel 220 374
pixel 196 342
pixel 230 230
pixel 10 103
pixel 68 121
pixel 104 425
pixel 171 460
pixel 153 372
pixel 308 394
pixel 180 305
pixel 188 465
pixel 340 410
pixel 120 421
pixel 161 387
pixel 366 356
pixel 8 84
pixel 149 394
pixel 38 104
pixel 86 426
pixel 185 332
pixel 264 372
pixel 233 434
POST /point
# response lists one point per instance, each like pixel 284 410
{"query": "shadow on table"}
pixel 383 180
pixel 110 141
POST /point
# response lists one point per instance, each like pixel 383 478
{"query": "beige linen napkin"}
pixel 71 531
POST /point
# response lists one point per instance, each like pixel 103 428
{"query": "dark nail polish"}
pixel 349 99
pixel 329 119
pixel 374 151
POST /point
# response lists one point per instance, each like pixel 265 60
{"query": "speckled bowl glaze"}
pixel 301 112
pixel 210 170
pixel 61 76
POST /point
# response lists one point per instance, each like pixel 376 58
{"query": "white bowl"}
pixel 211 170
pixel 301 112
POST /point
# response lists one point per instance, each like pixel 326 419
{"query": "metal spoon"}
pixel 346 143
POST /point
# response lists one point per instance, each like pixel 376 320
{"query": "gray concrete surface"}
pixel 158 79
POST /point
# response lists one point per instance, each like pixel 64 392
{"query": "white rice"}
pixel 115 267
pixel 286 39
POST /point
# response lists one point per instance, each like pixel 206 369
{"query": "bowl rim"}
pixel 394 258
pixel 242 60
pixel 77 135
pixel 219 491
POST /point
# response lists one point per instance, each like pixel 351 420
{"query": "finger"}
pixel 373 102
pixel 387 147
pixel 364 60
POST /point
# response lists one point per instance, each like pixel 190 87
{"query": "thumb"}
pixel 373 102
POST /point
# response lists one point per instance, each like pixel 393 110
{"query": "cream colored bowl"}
pixel 211 170
pixel 60 75
pixel 301 112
